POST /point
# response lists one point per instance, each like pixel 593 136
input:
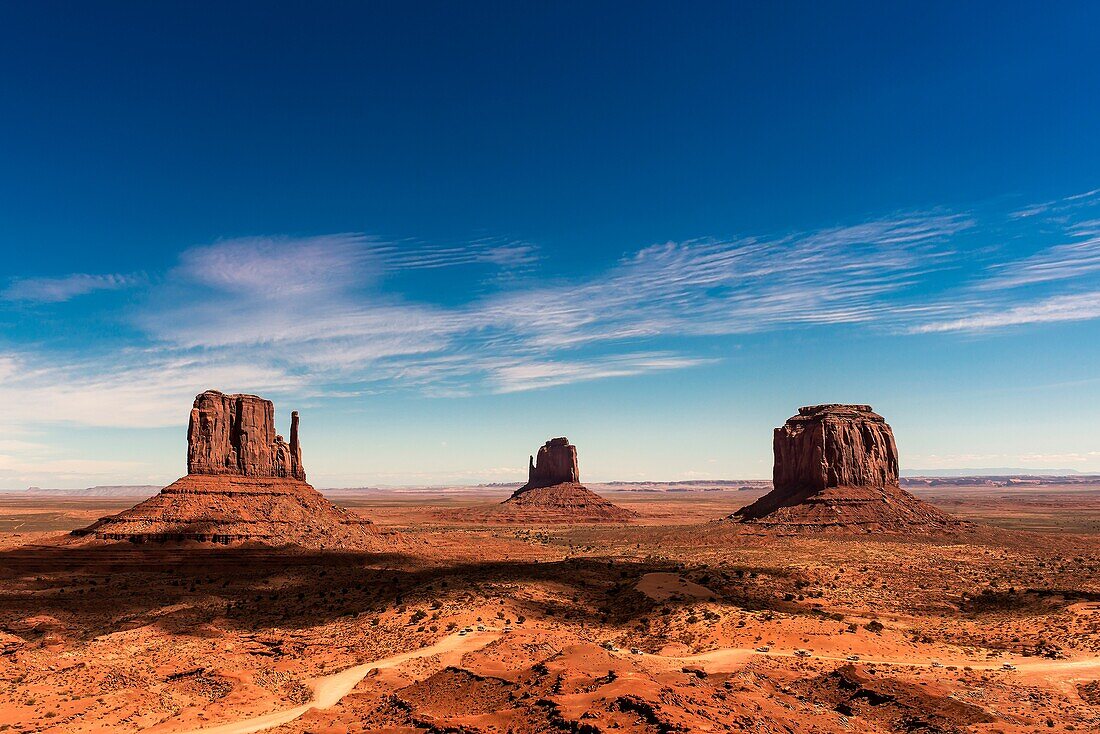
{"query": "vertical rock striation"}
pixel 235 434
pixel 837 466
pixel 834 446
pixel 555 463
pixel 245 484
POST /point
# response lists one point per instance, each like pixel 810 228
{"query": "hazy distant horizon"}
pixel 944 474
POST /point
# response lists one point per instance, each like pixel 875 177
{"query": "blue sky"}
pixel 445 232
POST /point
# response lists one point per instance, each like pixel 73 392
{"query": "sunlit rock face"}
pixel 235 434
pixel 836 467
pixel 554 493
pixel 244 484
pixel 834 446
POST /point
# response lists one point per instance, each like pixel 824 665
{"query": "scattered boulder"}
pixel 836 466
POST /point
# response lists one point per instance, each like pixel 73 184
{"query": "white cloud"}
pixel 315 303
pixel 1060 280
pixel 706 287
pixel 519 375
pixel 283 314
pixel 267 313
pixel 497 251
pixel 56 290
pixel 278 268
pixel 1059 206
pixel 1061 262
pixel 134 389
pixel 1079 307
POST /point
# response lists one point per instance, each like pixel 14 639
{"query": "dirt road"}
pixel 328 691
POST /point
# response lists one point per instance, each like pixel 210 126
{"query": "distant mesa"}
pixel 245 484
pixel 102 490
pixel 554 494
pixel 836 466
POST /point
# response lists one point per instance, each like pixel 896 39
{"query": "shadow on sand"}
pixel 99 589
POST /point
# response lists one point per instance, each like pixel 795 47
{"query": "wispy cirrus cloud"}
pixel 1059 206
pixel 709 287
pixel 319 314
pixel 316 304
pixel 129 388
pixel 279 268
pixel 1078 307
pixel 57 290
pixel 1059 283
pixel 1061 262
pixel 499 251
pixel 312 300
pixel 283 267
pixel 521 375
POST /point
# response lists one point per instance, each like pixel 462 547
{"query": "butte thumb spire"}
pixel 554 494
pixel 235 434
pixel 244 484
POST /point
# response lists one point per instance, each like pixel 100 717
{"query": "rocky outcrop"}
pixel 555 463
pixel 554 494
pixel 837 466
pixel 245 484
pixel 875 702
pixel 235 434
pixel 834 446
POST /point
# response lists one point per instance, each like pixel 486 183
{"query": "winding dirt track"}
pixel 328 691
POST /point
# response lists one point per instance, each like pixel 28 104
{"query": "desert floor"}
pixel 673 623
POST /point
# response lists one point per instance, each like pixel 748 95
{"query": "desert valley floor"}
pixel 673 622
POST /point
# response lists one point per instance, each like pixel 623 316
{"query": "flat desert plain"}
pixel 676 621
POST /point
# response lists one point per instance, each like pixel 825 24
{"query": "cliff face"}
pixel 556 463
pixel 244 484
pixel 834 446
pixel 554 494
pixel 235 434
pixel 836 466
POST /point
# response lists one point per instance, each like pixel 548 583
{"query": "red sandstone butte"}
pixel 235 434
pixel 554 494
pixel 836 466
pixel 245 484
pixel 556 463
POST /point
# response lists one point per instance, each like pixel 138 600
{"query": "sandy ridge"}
pixel 328 690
